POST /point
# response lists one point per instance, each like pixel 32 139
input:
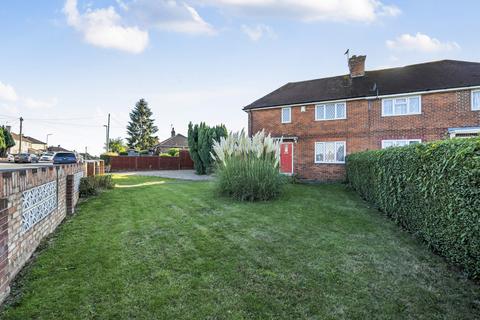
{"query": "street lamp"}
pixel 49 134
pixel 106 137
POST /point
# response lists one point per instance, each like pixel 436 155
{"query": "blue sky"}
pixel 64 65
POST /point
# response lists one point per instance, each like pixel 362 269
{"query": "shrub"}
pixel 91 186
pixel 174 152
pixel 164 155
pixel 124 153
pixel 432 190
pixel 200 143
pixel 247 169
pixel 107 156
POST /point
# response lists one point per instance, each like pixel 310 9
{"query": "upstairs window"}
pixel 286 115
pixel 401 106
pixel 330 152
pixel 330 111
pixel 399 143
pixel 476 100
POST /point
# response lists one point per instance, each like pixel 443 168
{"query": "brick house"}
pixel 321 121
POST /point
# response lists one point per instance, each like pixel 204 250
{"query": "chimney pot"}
pixel 173 132
pixel 356 64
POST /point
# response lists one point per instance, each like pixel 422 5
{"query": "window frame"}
pixel 395 140
pixel 330 162
pixel 335 103
pixel 419 96
pixel 289 113
pixel 471 101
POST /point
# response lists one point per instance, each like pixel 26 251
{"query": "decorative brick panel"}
pixel 23 195
pixel 364 128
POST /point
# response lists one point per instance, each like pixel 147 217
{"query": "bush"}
pixel 200 143
pixel 247 169
pixel 107 156
pixel 164 155
pixel 124 153
pixel 432 190
pixel 174 152
pixel 91 186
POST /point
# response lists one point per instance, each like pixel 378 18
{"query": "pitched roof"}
pixel 428 76
pixel 177 141
pixel 33 140
pixel 57 149
pixel 16 136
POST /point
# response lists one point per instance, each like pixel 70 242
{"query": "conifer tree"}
pixel 141 128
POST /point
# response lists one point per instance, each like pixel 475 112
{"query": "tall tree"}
pixel 200 144
pixel 141 128
pixel 117 145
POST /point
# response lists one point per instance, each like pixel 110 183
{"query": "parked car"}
pixel 64 158
pixel 26 158
pixel 47 156
pixel 10 158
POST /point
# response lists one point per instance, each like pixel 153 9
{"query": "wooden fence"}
pixel 144 163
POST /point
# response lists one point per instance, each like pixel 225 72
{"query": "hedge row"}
pixel 432 190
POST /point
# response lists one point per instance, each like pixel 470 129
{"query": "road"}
pixel 9 166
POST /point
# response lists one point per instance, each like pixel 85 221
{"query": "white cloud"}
pixel 9 97
pixel 103 28
pixel 40 104
pixel 7 93
pixel 312 10
pixel 181 18
pixel 256 32
pixel 420 43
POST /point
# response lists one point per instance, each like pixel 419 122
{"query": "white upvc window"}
pixel 399 142
pixel 286 115
pixel 401 106
pixel 331 111
pixel 476 100
pixel 330 152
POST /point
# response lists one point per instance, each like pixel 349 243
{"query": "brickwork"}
pixel 17 244
pixel 364 128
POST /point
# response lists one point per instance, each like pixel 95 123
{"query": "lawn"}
pixel 167 249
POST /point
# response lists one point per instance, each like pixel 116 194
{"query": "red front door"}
pixel 286 157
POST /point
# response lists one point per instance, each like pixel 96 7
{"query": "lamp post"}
pixel 49 134
pixel 106 137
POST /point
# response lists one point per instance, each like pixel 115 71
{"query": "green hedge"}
pixel 432 190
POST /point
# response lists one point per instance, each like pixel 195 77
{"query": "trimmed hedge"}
pixel 432 190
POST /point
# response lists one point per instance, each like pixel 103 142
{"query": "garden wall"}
pixel 432 190
pixel 33 202
pixel 142 163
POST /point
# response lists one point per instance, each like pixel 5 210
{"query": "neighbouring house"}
pixel 321 121
pixel 57 149
pixel 29 144
pixel 176 140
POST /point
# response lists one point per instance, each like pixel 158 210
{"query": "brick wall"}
pixel 364 128
pixel 33 203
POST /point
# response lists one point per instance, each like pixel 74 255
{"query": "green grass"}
pixel 173 250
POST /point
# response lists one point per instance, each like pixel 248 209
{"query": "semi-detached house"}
pixel 323 120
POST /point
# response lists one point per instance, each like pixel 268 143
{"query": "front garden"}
pixel 164 249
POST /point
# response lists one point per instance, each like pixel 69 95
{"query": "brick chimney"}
pixel 356 64
pixel 173 132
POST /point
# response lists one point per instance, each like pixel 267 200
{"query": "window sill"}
pixel 316 162
pixel 402 115
pixel 330 119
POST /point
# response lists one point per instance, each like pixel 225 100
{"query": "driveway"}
pixel 172 174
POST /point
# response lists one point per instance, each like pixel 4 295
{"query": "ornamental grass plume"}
pixel 248 168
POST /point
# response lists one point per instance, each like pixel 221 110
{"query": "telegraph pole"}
pixel 20 140
pixel 108 133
